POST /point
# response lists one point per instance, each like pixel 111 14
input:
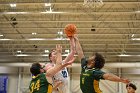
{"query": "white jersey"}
pixel 62 76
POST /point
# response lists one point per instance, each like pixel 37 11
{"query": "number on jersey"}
pixel 64 73
pixel 35 86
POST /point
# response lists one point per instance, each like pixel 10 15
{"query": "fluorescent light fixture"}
pixel 20 55
pixel 5 39
pixel 137 11
pixel 47 4
pixel 60 33
pixel 45 55
pixel 34 33
pixel 124 55
pixel 47 39
pixel 1 35
pixel 32 12
pixel 46 51
pixel 15 13
pixel 48 12
pixel 13 5
pixel 67 50
pixel 36 39
pixel 133 35
pixel 135 38
pixel 61 39
pixel 64 55
pixel 19 51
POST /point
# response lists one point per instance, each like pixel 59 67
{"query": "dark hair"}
pixel 35 69
pixel 99 61
pixel 50 54
pixel 131 85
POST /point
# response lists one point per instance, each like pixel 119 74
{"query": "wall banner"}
pixel 3 83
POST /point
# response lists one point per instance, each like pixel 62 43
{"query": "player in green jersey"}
pixel 40 82
pixel 91 72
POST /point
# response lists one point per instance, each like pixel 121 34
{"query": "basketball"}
pixel 70 30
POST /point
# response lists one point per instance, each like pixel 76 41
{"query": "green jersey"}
pixel 39 84
pixel 89 78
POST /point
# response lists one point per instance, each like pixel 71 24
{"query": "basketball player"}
pixel 63 74
pixel 91 71
pixel 131 88
pixel 40 82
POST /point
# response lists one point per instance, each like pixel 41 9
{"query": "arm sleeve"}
pixel 83 62
pixel 98 74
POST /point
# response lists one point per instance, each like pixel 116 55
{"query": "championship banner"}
pixel 3 84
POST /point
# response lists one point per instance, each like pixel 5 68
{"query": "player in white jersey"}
pixel 63 74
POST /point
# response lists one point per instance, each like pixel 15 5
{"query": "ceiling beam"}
pixel 68 21
pixel 70 2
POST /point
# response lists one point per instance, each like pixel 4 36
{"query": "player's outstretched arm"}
pixel 52 71
pixel 72 50
pixel 112 77
pixel 59 66
pixel 79 49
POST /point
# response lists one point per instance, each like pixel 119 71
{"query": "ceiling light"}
pixel 60 33
pixel 22 55
pixel 36 39
pixel 13 5
pixel 47 4
pixel 135 38
pixel 67 50
pixel 64 55
pixel 1 35
pixel 48 55
pixel 132 35
pixel 48 39
pixel 45 55
pixel 46 51
pixel 34 33
pixel 52 12
pixel 5 39
pixel 61 39
pixel 137 11
pixel 19 51
pixel 124 55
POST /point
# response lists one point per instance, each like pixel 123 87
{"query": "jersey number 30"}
pixel 35 86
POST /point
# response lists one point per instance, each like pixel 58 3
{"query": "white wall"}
pixel 12 83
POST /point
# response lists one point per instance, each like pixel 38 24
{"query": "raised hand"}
pixel 125 80
pixel 58 48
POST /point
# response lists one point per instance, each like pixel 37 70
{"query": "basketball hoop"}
pixel 93 3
